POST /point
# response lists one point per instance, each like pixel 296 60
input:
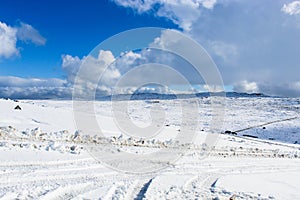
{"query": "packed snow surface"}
pixel 43 155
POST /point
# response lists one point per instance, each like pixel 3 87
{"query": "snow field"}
pixel 44 156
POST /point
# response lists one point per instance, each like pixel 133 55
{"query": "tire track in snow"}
pixel 267 123
pixel 142 192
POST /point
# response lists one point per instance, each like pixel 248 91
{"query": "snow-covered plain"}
pixel 44 156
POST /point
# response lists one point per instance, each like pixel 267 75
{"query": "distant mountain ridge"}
pixel 157 96
pixel 153 96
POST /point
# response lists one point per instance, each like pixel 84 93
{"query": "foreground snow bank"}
pixel 281 185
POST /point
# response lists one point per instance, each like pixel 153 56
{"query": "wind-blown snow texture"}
pixel 44 156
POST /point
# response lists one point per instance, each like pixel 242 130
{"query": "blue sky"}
pixel 255 44
pixel 69 28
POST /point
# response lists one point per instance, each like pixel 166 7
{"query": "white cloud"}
pixel 6 81
pixel 87 71
pixel 292 8
pixel 138 5
pixel 148 66
pixel 213 88
pixel 27 33
pixel 36 92
pixel 166 40
pixel 181 12
pixel 245 86
pixel 144 89
pixel 10 35
pixel 197 67
pixel 16 87
pixel 288 89
pixel 209 4
pixel 8 40
pixel 71 66
pixel 130 57
pixel 155 89
pixel 33 88
pixel 226 51
pixel 90 66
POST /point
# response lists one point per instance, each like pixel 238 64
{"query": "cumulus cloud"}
pixel 224 50
pixel 131 70
pixel 86 72
pixel 182 12
pixel 8 40
pixel 292 8
pixel 27 33
pixel 9 36
pixel 125 74
pixel 91 66
pixel 245 86
pixel 71 66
